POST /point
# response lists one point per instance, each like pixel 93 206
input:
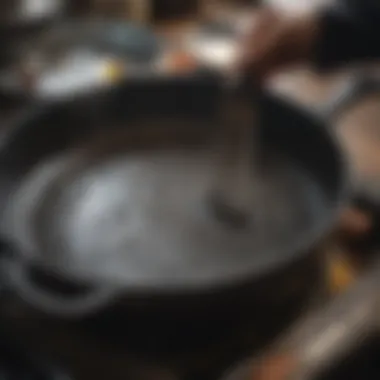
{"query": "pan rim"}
pixel 300 248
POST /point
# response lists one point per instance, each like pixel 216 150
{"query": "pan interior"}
pixel 141 217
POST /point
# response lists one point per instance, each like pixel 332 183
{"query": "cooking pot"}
pixel 157 309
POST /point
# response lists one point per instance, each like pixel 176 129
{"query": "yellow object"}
pixel 114 72
pixel 341 274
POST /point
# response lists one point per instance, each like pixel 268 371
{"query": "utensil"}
pixel 240 155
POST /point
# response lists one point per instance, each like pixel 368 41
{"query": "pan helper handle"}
pixel 17 274
pixel 360 85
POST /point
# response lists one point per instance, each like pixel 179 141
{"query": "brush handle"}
pixel 239 142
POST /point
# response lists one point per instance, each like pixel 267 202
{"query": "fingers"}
pixel 354 223
pixel 275 41
pixel 258 43
pixel 275 368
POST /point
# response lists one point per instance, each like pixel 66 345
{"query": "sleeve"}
pixel 350 32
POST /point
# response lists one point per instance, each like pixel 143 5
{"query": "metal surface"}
pixel 193 98
pixel 241 156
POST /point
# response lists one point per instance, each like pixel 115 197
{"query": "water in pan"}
pixel 17 223
pixel 143 220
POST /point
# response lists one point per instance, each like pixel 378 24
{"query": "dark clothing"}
pixel 350 33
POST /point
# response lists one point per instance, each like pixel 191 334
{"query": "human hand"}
pixel 276 41
pixel 354 223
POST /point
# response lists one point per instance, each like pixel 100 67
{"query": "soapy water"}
pixel 144 219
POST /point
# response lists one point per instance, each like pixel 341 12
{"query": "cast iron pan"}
pixel 176 319
pixel 153 97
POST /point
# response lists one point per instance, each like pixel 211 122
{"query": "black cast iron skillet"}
pixel 177 317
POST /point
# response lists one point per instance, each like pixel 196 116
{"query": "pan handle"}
pixel 352 92
pixel 321 339
pixel 16 274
